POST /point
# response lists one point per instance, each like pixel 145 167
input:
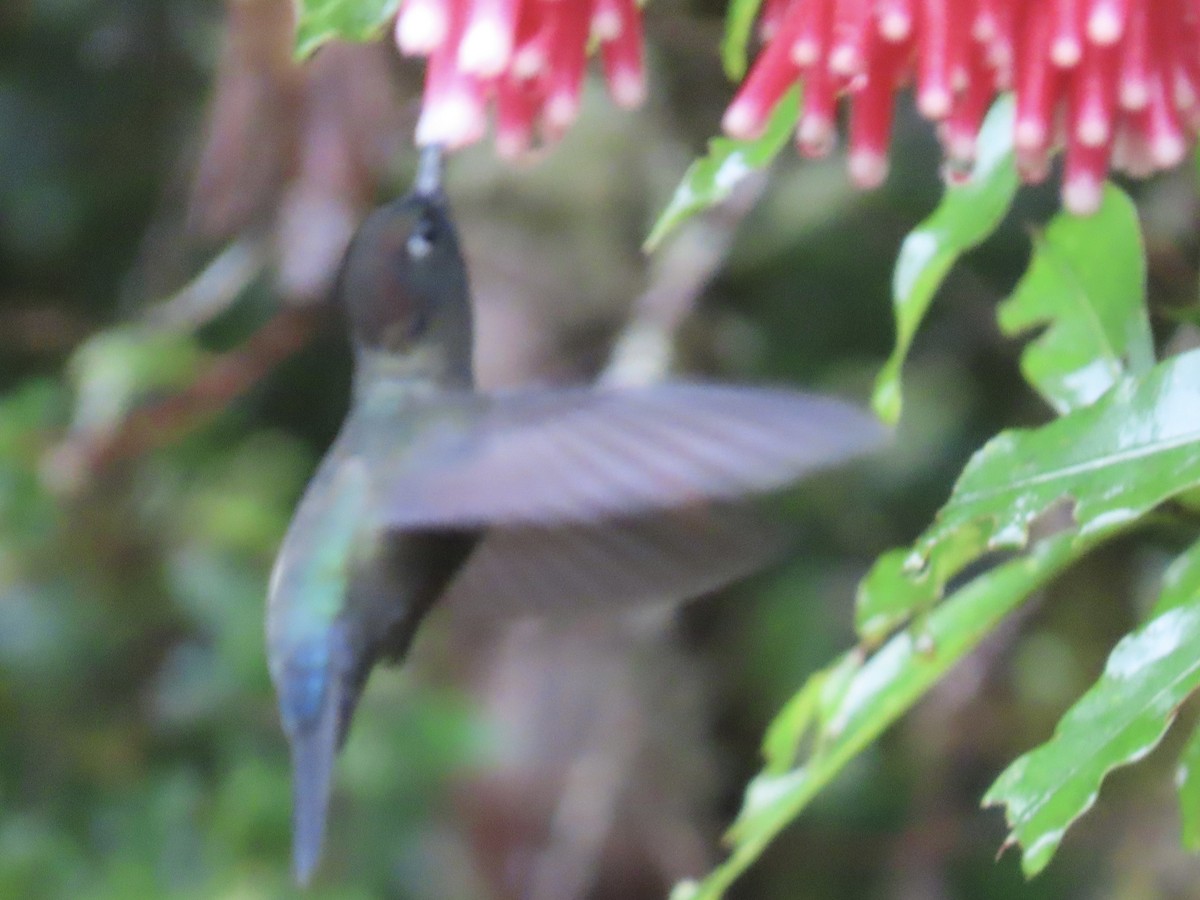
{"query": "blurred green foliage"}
pixel 325 20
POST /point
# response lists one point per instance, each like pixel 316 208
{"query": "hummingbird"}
pixel 536 501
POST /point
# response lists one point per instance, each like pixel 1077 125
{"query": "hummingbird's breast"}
pixel 341 566
pixel 397 576
pixel 391 596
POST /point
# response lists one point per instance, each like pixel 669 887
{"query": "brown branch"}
pixel 83 456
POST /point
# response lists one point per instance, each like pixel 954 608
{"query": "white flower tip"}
pixel 1092 131
pixel 1081 195
pixel 1104 25
pixel 528 62
pixel 960 78
pixel 1185 95
pixel 983 29
pixel 561 110
pixel 1065 52
pixel 421 28
pixel 960 146
pixel 453 120
pixel 1167 150
pixel 934 102
pixel 485 49
pixel 511 144
pixel 895 25
pixel 1131 156
pixel 805 52
pixel 1133 94
pixel 741 121
pixel 1000 57
pixel 1029 134
pixel 815 135
pixel 606 25
pixel 844 59
pixel 627 87
pixel 868 168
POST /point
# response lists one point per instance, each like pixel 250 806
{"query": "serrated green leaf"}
pixel 1114 461
pixel 879 691
pixel 1086 283
pixel 319 21
pixel 787 730
pixel 781 742
pixel 711 179
pixel 968 213
pixel 888 596
pixel 739 24
pixel 896 588
pixel 1118 721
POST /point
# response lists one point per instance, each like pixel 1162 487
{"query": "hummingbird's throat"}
pixel 423 369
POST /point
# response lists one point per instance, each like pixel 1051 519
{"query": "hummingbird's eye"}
pixel 421 241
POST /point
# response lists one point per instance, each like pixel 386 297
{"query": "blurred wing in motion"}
pixel 568 570
pixel 585 455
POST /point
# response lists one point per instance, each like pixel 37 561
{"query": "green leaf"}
pixel 968 213
pixel 1187 777
pixel 1118 721
pixel 876 694
pixel 1087 283
pixel 1115 460
pixel 29 414
pixel 711 179
pixel 888 596
pixel 349 20
pixel 1181 581
pixel 116 369
pixel 739 23
pixel 1180 588
pixel 787 730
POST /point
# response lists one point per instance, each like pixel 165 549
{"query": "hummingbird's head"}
pixel 404 286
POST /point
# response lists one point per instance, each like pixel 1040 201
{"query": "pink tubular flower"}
pixel 1115 82
pixel 526 56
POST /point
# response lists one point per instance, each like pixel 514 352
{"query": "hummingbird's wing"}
pixel 585 455
pixel 584 568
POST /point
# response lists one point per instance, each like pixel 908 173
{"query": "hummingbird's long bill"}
pixel 547 502
pixel 428 180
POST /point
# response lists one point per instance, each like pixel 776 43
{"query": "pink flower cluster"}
pixel 526 56
pixel 1115 82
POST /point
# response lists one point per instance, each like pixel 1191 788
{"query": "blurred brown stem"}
pixel 81 457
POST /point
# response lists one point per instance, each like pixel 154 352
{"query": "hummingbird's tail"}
pixel 313 752
pixel 315 740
